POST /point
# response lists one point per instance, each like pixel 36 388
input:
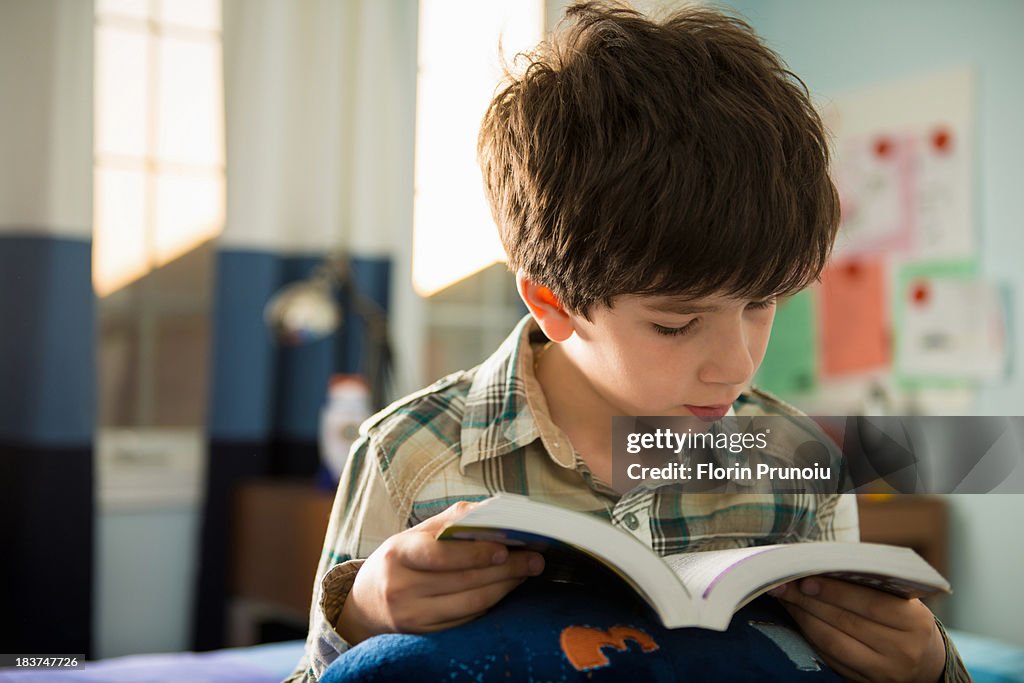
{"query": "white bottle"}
pixel 348 405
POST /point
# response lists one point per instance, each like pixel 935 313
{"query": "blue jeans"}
pixel 563 632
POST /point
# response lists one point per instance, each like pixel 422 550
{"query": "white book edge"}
pixel 655 578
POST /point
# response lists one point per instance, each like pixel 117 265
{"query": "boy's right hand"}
pixel 414 583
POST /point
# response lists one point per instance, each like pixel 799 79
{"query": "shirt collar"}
pixel 505 407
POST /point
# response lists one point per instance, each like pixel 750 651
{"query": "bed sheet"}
pixel 988 660
pixel 258 664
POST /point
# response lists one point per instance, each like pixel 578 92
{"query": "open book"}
pixel 702 589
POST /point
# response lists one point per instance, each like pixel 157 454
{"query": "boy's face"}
pixel 670 356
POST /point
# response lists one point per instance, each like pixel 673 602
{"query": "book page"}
pixel 701 570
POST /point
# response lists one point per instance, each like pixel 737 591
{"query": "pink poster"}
pixel 855 331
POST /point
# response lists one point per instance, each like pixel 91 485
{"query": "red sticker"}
pixel 942 141
pixel 920 293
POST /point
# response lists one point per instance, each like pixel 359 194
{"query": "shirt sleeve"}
pixel 838 518
pixel 955 671
pixel 363 516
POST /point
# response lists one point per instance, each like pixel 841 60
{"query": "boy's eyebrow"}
pixel 680 306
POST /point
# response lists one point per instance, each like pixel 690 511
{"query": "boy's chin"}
pixel 708 414
pixel 682 411
pixel 697 414
pixel 708 419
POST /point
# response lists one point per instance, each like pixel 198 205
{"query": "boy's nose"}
pixel 728 361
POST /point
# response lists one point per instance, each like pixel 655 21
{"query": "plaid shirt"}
pixel 485 430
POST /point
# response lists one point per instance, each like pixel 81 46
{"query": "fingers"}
pixel 419 601
pixel 868 603
pixel 871 633
pixel 520 565
pixel 445 625
pixel 421 551
pixel 414 583
pixel 447 516
pixel 841 651
pixel 466 604
pixel 858 639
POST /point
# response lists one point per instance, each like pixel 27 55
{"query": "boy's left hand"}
pixel 865 634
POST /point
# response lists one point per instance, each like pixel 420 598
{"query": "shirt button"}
pixel 630 521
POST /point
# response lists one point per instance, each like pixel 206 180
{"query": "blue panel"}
pixel 261 390
pixel 373 279
pixel 243 358
pixel 47 341
pixel 302 371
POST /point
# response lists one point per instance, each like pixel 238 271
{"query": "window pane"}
pixel 191 114
pixel 201 14
pixel 121 79
pixel 456 81
pixel 138 9
pixel 451 348
pixel 189 210
pixel 186 278
pixel 118 368
pixel 119 247
pixel 180 369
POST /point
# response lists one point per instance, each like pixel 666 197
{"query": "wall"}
pixel 838 46
pixel 47 325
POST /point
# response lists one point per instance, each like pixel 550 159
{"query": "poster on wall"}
pixel 902 165
pixel 900 303
pixel 876 184
pixel 952 326
pixel 854 318
pixel 789 367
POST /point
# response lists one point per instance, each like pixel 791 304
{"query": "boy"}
pixel 657 187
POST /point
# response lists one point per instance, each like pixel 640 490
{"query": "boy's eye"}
pixel 675 331
pixel 759 305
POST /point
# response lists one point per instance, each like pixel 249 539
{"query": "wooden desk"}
pixel 278 530
pixel 918 522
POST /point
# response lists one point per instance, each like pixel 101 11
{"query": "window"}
pixel 158 201
pixel 159 135
pixel 459 67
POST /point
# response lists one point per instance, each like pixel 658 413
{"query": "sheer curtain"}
pixel 320 106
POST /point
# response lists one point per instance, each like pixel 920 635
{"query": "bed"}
pixel 256 664
pixel 988 660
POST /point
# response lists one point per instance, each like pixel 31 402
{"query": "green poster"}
pixel 790 364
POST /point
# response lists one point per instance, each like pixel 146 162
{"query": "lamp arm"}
pixel 378 354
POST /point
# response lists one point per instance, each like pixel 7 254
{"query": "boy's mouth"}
pixel 709 413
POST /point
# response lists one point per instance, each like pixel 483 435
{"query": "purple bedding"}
pixel 989 661
pixel 261 663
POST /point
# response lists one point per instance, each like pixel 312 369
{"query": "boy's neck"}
pixel 576 408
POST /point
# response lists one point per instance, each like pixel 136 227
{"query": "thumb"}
pixel 446 517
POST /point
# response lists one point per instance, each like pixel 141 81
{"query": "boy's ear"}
pixel 546 309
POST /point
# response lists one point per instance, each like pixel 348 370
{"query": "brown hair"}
pixel 671 158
